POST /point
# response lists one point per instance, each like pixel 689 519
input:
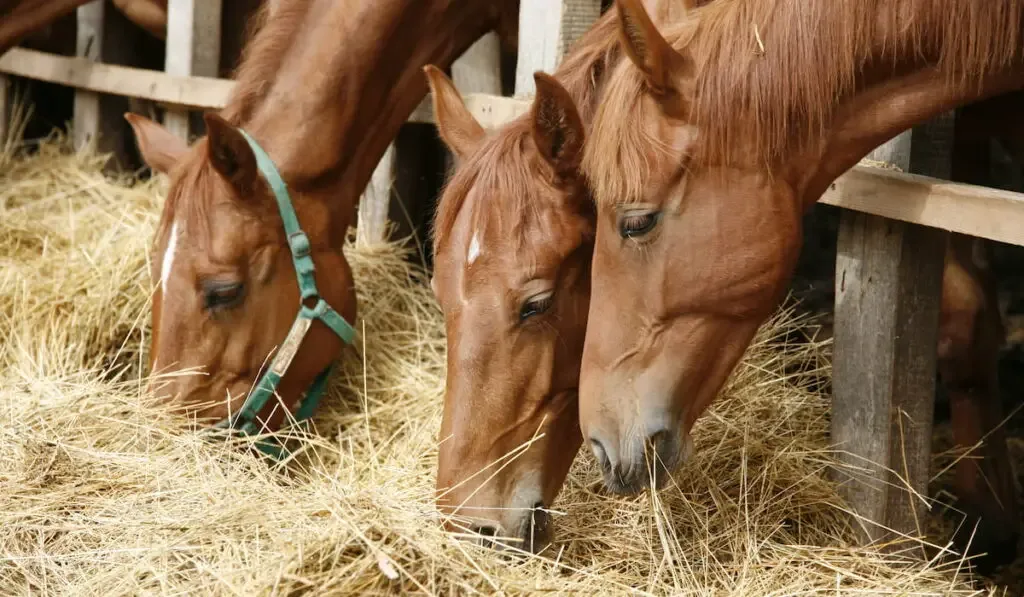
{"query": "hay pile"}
pixel 102 492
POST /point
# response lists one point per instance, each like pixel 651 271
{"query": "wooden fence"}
pixel 890 246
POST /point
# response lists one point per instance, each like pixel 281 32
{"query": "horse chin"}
pixel 516 524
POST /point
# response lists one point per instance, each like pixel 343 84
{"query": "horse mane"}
pixel 503 169
pixel 770 74
pixel 506 164
pixel 271 32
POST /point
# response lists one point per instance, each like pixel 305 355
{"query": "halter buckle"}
pixel 298 242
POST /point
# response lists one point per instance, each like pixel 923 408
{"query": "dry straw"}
pixel 104 493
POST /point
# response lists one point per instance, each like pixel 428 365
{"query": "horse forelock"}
pixel 771 73
pixel 187 208
pixel 507 182
pixel 620 157
pixel 506 168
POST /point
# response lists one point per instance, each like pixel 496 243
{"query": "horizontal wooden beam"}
pixel 83 74
pixel 491 111
pixel 973 210
pixel 969 209
pixel 198 92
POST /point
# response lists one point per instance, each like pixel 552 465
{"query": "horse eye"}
pixel 535 305
pixel 222 295
pixel 637 224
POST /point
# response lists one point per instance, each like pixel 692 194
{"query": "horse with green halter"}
pixel 244 421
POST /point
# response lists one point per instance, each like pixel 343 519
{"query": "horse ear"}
pixel 460 131
pixel 230 154
pixel 663 67
pixel 557 128
pixel 160 149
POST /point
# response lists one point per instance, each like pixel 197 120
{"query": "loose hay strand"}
pixel 103 491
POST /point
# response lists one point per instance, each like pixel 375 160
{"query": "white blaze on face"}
pixel 474 248
pixel 168 262
pixel 471 255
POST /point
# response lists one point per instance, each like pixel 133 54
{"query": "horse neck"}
pixel 347 79
pixel 915 73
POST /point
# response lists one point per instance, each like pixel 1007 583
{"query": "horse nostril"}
pixel 485 530
pixel 538 534
pixel 662 454
pixel 658 438
pixel 541 517
pixel 600 454
pixel 487 533
pixel 658 447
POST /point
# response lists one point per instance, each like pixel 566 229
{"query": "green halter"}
pixel 245 419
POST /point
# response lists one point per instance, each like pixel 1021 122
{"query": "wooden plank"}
pixel 164 89
pixel 372 218
pixel 103 35
pixel 968 209
pixel 87 119
pixel 490 111
pixel 199 92
pixel 193 48
pixel 547 28
pixel 888 296
pixel 888 282
pixel 478 70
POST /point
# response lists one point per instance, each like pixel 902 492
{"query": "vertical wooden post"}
pixel 479 69
pixel 372 218
pixel 104 35
pixel 888 296
pixel 87 117
pixel 193 48
pixel 547 28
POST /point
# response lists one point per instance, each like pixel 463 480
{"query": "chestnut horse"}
pixel 708 147
pixel 512 243
pixel 513 240
pixel 270 192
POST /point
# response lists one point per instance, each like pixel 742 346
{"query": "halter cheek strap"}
pixel 298 243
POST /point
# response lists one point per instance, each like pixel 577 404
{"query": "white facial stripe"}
pixel 165 267
pixel 474 248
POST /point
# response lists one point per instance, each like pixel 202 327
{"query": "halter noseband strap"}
pixel 298 243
